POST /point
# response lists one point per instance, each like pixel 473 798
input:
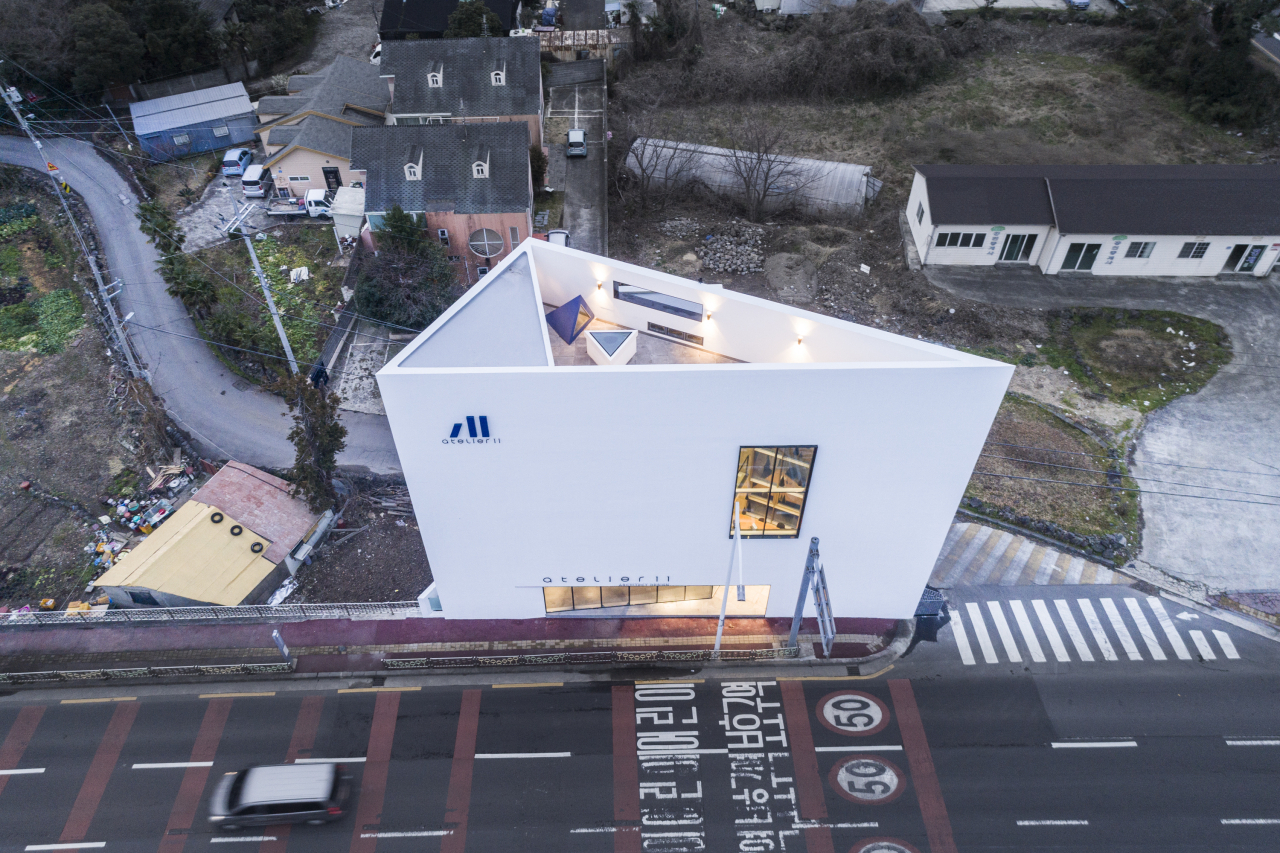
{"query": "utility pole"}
pixel 262 280
pixel 13 98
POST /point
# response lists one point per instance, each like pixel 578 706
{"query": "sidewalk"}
pixel 344 645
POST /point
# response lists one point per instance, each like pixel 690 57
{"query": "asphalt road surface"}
pixel 586 203
pixel 934 755
pixel 197 389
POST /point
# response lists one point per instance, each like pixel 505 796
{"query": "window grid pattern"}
pixel 1140 250
pixel 561 598
pixel 959 238
pixel 1193 250
pixel 771 489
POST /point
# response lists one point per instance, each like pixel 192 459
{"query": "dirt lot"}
pixel 1039 93
pixel 180 183
pixel 384 561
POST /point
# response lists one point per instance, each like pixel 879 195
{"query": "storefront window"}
pixel 772 485
pixel 561 598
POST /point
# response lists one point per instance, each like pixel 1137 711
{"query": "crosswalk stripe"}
pixel 1095 628
pixel 1047 564
pixel 962 639
pixel 995 558
pixel 982 556
pixel 1228 647
pixel 980 631
pixel 1050 630
pixel 1175 639
pixel 1073 630
pixel 1073 573
pixel 1060 569
pixel 966 557
pixel 1144 628
pixel 1202 645
pixel 1018 563
pixel 1002 628
pixel 1122 630
pixel 1028 633
pixel 1032 567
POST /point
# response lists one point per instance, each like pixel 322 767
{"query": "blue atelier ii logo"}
pixel 482 438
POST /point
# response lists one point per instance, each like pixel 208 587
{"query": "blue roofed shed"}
pixel 193 122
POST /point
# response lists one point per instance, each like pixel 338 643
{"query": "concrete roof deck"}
pixel 650 348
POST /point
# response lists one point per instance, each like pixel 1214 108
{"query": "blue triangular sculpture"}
pixel 570 319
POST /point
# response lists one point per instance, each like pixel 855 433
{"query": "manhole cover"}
pixel 240 385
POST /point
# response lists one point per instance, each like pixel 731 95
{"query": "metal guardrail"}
pixel 590 657
pixel 274 613
pixel 144 672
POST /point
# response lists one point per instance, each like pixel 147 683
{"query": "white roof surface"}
pixel 348 201
pixel 190 108
pixel 288 783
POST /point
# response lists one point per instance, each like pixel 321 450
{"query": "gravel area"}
pixel 351 30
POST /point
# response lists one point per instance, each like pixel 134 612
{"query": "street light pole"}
pixel 266 287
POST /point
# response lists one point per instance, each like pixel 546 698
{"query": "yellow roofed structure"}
pixel 201 554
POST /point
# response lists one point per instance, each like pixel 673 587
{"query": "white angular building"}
pixel 565 475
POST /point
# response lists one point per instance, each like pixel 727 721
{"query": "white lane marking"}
pixel 1175 639
pixel 1028 632
pixel 857 749
pixel 1002 628
pixel 815 824
pixel 682 752
pixel 1095 628
pixel 1121 629
pixel 1144 628
pixel 356 760
pixel 231 839
pixel 426 833
pixel 523 754
pixel 962 640
pixel 1202 645
pixel 595 829
pixel 81 845
pixel 1238 742
pixel 172 765
pixel 1053 823
pixel 1050 630
pixel 1231 821
pixel 1073 630
pixel 23 772
pixel 1092 744
pixel 980 631
pixel 1228 647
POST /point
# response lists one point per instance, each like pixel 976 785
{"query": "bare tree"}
pixel 656 168
pixel 756 167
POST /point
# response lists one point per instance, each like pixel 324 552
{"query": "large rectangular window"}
pixel 771 488
pixel 1193 250
pixel 658 301
pixel 561 598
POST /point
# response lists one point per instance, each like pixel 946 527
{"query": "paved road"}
pixel 197 390
pixel 935 755
pixel 1232 424
pixel 586 204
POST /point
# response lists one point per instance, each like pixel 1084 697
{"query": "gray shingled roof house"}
pixel 447 80
pixel 309 130
pixel 1107 220
pixel 443 176
pixel 428 19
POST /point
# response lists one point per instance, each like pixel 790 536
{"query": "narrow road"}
pixel 586 202
pixel 197 390
pixel 933 756
pixel 1230 429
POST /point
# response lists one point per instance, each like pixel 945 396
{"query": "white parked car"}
pixel 376 56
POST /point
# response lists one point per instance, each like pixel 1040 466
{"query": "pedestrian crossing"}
pixel 1075 630
pixel 976 554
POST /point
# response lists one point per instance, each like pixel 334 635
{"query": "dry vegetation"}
pixel 1008 92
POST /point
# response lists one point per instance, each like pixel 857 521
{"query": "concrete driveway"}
pixel 1229 431
pixel 197 390
pixel 586 206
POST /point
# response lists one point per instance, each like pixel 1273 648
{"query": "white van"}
pixel 257 182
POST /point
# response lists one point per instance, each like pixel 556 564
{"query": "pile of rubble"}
pixel 681 229
pixel 737 251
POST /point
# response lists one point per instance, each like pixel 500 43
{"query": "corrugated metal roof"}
pixel 816 186
pixel 190 108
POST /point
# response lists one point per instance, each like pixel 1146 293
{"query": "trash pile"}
pixel 109 545
pixel 144 515
pixel 737 251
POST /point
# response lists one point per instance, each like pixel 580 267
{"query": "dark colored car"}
pixel 280 793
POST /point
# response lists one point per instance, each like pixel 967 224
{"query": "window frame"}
pixel 498 78
pixel 221 131
pixel 638 298
pixel 804 498
pixel 435 79
pixel 479 169
pixel 299 179
pixel 471 241
pixel 1139 249
pixel 181 138
pixel 515 236
pixel 920 214
pixel 1193 251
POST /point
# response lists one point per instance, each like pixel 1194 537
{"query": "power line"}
pixel 1099 456
pixel 1122 489
pixel 1132 477
pixel 138 325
